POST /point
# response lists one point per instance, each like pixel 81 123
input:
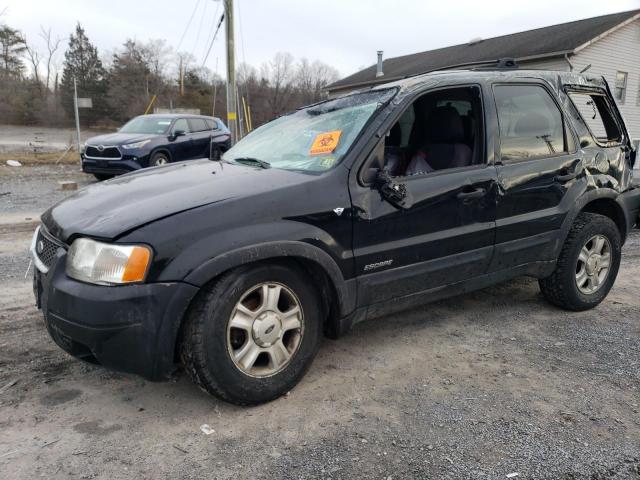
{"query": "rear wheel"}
pixel 253 333
pixel 158 159
pixel 587 266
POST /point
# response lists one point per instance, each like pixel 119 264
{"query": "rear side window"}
pixel 531 124
pixel 596 114
pixel 197 125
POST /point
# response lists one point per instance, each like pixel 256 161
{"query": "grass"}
pixel 42 158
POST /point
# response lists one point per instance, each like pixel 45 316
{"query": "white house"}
pixel 608 45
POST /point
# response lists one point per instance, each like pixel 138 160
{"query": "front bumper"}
pixel 108 166
pixel 129 328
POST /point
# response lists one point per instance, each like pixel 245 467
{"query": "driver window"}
pixel 439 130
pixel 181 124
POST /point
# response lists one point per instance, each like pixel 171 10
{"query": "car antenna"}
pixel 211 157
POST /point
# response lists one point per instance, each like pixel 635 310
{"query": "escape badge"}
pixel 325 142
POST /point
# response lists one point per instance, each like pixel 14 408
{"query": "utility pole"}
pixel 181 78
pixel 232 116
pixel 75 108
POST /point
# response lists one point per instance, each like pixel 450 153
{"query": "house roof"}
pixel 555 40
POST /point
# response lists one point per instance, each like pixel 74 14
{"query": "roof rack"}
pixel 499 64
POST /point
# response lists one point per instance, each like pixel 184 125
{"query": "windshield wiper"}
pixel 253 161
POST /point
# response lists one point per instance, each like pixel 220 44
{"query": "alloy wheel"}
pixel 593 265
pixel 265 329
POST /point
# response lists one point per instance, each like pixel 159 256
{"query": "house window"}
pixel 620 90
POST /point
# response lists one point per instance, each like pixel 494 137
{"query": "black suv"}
pixel 348 209
pixel 153 140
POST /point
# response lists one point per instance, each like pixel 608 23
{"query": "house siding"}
pixel 618 51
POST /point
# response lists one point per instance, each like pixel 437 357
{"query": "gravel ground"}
pixel 30 190
pixel 481 386
pixel 19 138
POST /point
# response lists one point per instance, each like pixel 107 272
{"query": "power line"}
pixel 188 25
pixel 213 39
pixel 195 44
pixel 214 19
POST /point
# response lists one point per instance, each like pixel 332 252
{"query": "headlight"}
pixel 107 264
pixel 132 146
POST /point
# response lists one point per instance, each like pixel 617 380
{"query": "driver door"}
pixel 445 231
pixel 181 146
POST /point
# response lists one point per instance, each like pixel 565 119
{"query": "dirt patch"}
pixel 59 397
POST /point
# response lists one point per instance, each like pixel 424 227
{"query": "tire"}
pixel 207 342
pixel 158 159
pixel 102 176
pixel 561 287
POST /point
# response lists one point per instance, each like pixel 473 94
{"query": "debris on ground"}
pixel 206 429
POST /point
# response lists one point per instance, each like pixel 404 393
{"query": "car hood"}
pixel 109 209
pixel 119 138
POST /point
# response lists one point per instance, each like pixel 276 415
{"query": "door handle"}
pixel 566 178
pixel 471 194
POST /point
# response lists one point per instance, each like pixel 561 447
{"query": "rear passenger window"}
pixel 197 125
pixel 531 124
pixel 596 113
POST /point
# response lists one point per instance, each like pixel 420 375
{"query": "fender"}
pixel 160 149
pixel 345 289
pixel 581 202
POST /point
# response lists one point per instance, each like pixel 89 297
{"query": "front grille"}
pixel 106 152
pixel 46 247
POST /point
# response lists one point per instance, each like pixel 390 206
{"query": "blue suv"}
pixel 154 140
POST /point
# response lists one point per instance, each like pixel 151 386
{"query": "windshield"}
pixel 313 139
pixel 157 125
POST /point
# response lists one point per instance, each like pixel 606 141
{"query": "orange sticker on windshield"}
pixel 325 142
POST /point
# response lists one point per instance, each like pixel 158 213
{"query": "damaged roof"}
pixel 553 41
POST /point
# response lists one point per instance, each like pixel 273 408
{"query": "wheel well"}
pixel 321 281
pixel 160 150
pixel 609 208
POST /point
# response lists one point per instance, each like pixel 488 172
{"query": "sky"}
pixel 342 33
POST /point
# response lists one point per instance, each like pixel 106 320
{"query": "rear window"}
pixel 197 125
pixel 596 113
pixel 531 124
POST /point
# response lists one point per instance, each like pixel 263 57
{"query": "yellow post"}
pixel 153 99
pixel 246 115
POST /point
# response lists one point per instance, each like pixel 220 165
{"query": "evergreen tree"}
pixel 12 47
pixel 129 82
pixel 81 62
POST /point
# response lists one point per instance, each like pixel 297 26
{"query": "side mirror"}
pixel 393 192
pixel 178 133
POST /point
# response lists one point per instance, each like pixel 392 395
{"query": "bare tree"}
pixel 279 74
pixel 52 45
pixel 34 59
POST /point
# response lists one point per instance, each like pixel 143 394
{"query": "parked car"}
pixel 153 140
pixel 352 208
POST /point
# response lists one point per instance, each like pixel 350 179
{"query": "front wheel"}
pixel 251 335
pixel 587 266
pixel 159 159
